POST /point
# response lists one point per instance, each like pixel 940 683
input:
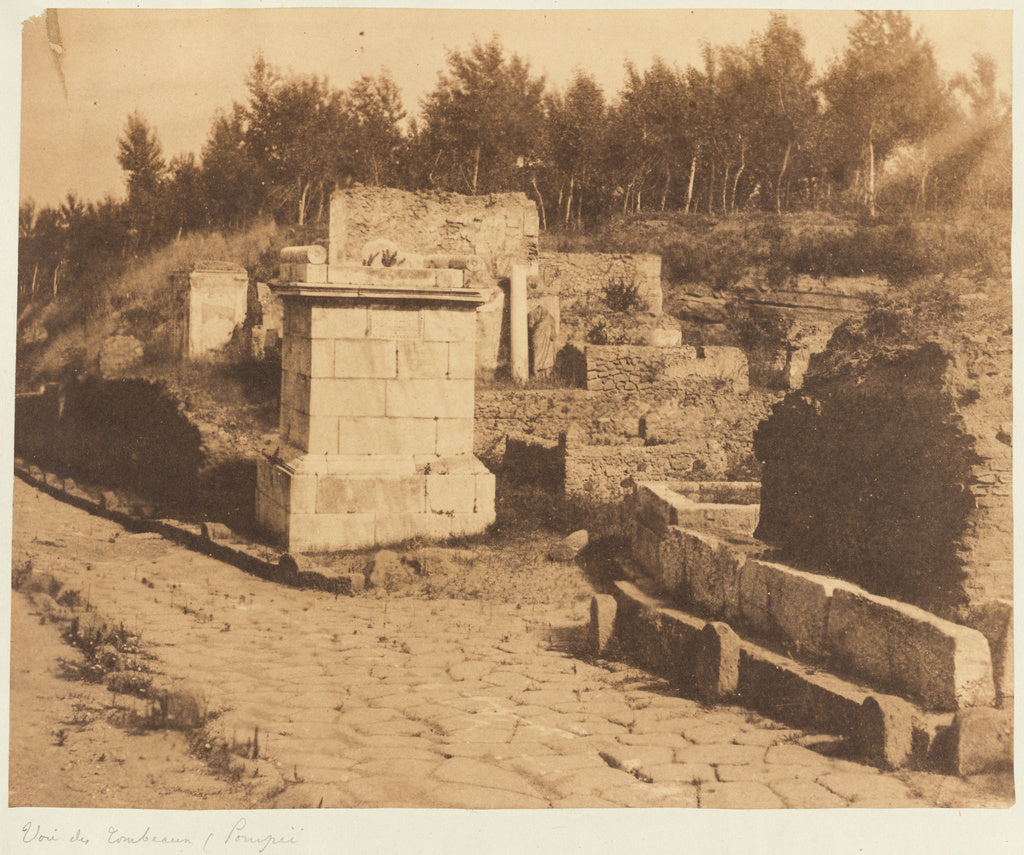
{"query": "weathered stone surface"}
pixel 569 547
pixel 983 740
pixel 718 662
pixel 885 731
pixel 602 622
pixel 944 665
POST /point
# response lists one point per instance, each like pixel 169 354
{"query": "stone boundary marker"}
pixel 898 647
pixel 708 660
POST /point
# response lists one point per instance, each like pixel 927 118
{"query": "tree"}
pixel 372 112
pixel 783 89
pixel 483 122
pixel 884 91
pixel 294 126
pixel 233 182
pixel 575 143
pixel 140 156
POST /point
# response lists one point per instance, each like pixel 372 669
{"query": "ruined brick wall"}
pixel 669 370
pixel 891 467
pixel 501 228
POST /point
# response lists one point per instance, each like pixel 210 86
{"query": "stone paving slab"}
pixel 401 702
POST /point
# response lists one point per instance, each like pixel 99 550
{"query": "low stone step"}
pixel 708 660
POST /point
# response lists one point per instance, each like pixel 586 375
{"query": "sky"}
pixel 178 67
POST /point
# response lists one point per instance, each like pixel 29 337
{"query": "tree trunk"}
pixel 739 172
pixel 872 210
pixel 568 201
pixel 725 190
pixel 540 200
pixel 782 172
pixel 302 202
pixel 476 168
pixel 711 189
pixel 668 181
pixel 693 172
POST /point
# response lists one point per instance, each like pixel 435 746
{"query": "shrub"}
pixel 130 433
pixel 622 296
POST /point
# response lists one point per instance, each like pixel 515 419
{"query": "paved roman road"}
pixel 406 702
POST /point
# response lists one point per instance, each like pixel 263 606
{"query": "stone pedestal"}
pixel 377 388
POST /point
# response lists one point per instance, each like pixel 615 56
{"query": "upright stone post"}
pixel 519 343
pixel 377 387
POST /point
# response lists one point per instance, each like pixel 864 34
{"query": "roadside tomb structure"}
pixel 209 303
pixel 377 397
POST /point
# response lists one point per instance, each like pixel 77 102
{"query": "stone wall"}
pixel 669 370
pixel 611 438
pixel 579 279
pixel 501 228
pixel 892 468
pixel 542 415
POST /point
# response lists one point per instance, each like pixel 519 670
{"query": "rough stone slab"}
pixel 712 573
pixel 602 622
pixel 739 518
pixel 798 607
pixel 943 665
pixel 753 593
pixel 664 640
pixel 796 695
pixel 654 505
pixel 325 532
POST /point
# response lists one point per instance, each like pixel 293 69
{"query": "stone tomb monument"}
pixel 377 384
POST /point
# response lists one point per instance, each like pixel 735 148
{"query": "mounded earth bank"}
pixel 891 466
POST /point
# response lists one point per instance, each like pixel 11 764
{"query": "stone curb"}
pixel 709 661
pixel 214 540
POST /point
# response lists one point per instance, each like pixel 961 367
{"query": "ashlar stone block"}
pixel 429 397
pixel 445 325
pixel 337 397
pixel 338 322
pixel 454 436
pixel 420 359
pixel 386 436
pixel 451 493
pixel 354 494
pixel 367 358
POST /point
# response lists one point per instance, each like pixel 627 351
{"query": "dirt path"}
pixel 65 751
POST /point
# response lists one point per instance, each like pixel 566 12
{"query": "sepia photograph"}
pixel 488 410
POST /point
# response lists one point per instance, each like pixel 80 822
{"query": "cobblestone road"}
pixel 402 702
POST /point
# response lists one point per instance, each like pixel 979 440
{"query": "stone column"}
pixel 519 342
pixel 377 388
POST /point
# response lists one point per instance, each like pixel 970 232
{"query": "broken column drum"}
pixel 377 386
